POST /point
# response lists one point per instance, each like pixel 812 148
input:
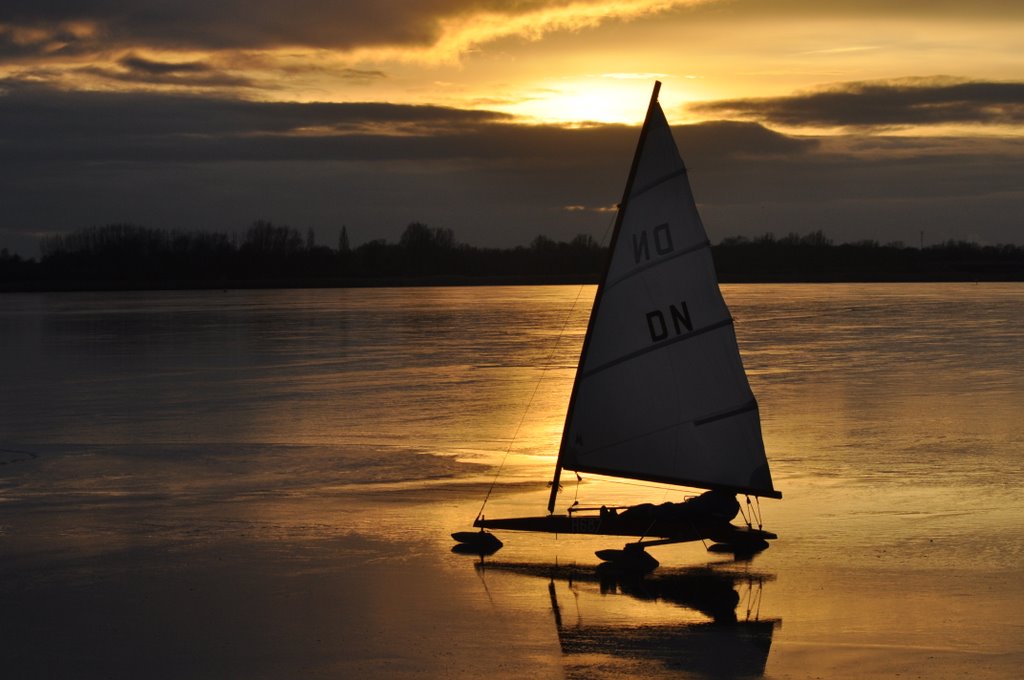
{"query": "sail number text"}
pixel 661 322
pixel 660 237
pixel 675 320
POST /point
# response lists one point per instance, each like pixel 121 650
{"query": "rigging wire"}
pixel 480 574
pixel 755 512
pixel 752 599
pixel 533 396
pixel 536 388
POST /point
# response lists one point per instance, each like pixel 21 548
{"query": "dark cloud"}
pixel 341 24
pixel 140 71
pixel 233 24
pixel 32 30
pixel 38 123
pixel 44 124
pixel 884 104
pixel 361 74
pixel 725 139
pixel 71 159
pixel 161 68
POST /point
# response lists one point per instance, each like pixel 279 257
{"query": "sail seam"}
pixel 749 406
pixel 660 180
pixel 611 283
pixel 652 348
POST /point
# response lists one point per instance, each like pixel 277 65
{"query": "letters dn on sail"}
pixel 658 321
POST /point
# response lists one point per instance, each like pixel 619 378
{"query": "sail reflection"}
pixel 701 621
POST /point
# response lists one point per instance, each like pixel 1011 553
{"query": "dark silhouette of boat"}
pixel 660 392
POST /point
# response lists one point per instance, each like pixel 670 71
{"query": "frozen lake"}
pixel 263 483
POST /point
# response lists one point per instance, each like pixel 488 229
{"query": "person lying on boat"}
pixel 710 505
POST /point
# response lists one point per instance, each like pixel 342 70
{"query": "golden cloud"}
pixel 461 34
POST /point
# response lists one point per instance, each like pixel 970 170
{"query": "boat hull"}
pixel 678 531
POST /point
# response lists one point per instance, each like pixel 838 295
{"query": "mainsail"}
pixel 660 391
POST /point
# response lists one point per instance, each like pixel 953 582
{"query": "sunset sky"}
pixel 503 120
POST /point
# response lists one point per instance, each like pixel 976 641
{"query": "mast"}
pixel 600 287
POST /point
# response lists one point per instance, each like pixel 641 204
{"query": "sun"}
pixel 601 100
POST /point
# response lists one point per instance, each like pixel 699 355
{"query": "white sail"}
pixel 660 392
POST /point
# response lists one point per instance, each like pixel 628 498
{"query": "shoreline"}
pixel 453 280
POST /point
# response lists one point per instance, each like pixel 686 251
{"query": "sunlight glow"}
pixel 581 107
pixel 619 100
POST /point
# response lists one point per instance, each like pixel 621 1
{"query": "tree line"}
pixel 132 256
pixel 266 254
pixel 813 257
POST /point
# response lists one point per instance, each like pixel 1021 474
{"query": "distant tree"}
pixel 343 244
pixel 816 239
pixel 266 238
pixel 417 236
pixel 376 258
pixel 584 242
pixel 542 243
pixel 420 238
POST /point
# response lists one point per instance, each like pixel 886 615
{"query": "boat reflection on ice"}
pixel 700 621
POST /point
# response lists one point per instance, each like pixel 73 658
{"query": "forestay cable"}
pixel 533 396
pixel 536 388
